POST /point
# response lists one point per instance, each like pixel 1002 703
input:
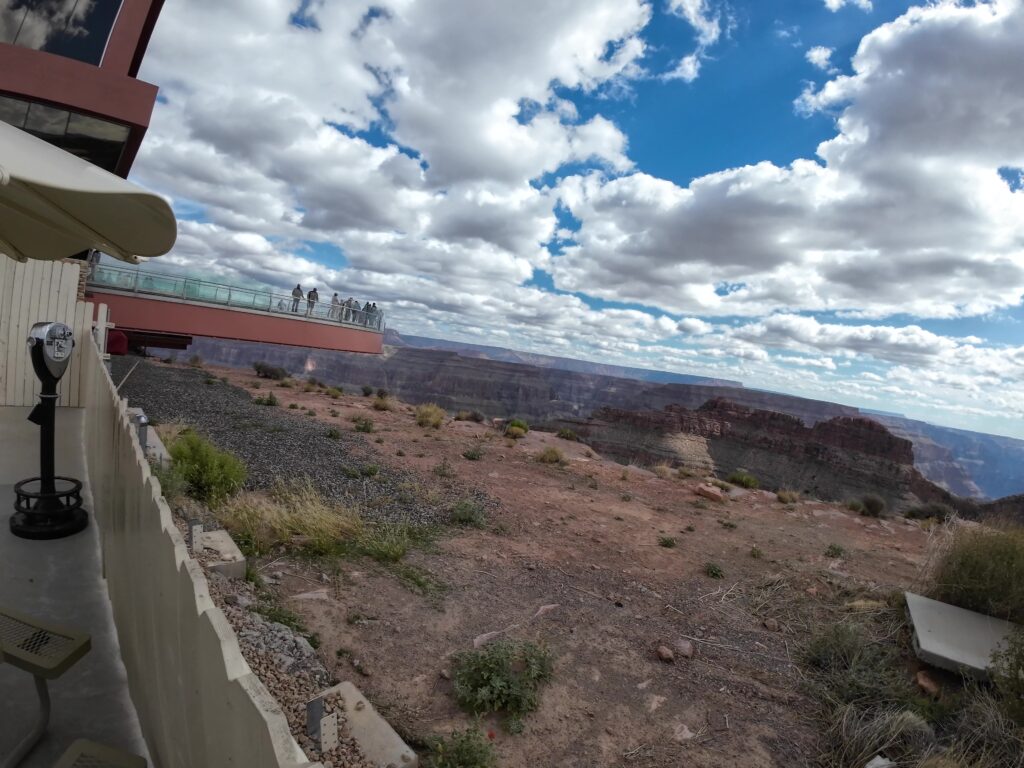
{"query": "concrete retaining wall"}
pixel 198 702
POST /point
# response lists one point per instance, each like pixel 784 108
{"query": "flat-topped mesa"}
pixel 841 458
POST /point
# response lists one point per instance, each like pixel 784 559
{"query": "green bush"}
pixel 473 454
pixel 334 392
pixel 463 749
pixel 383 393
pixel 293 406
pixel 430 415
pixel 212 475
pixel 503 677
pixel 834 550
pixel 515 433
pixel 550 455
pixel 713 571
pixel 367 390
pixel 567 434
pixel 935 510
pixel 267 371
pixel 743 478
pixel 363 424
pixel 468 512
pixel 856 505
pixel 666 541
pixel 333 433
pixel 874 505
pixel 518 424
pixel 172 480
pixel 983 570
pixel 847 668
pixel 756 553
pixel 270 399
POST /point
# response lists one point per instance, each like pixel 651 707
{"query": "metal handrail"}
pixel 207 292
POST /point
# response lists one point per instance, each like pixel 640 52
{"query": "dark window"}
pixel 78 29
pixel 101 142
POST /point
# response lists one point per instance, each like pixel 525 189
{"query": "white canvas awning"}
pixel 54 205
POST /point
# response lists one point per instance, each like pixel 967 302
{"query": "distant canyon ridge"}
pixel 503 383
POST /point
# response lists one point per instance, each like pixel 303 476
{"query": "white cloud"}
pixel 835 5
pixel 820 57
pixel 694 326
pixel 707 25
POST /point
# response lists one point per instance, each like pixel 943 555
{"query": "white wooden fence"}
pixel 30 293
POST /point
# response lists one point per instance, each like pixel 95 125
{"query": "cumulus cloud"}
pixel 820 57
pixel 835 5
pixel 708 28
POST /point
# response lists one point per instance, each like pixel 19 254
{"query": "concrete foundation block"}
pixel 228 558
pixel 378 741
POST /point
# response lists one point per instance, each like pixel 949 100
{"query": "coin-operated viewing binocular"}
pixel 48 506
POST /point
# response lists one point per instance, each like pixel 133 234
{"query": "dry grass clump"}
pixel 857 736
pixel 788 497
pixel 289 514
pixel 743 479
pixel 551 455
pixel 475 416
pixel 515 433
pixel 430 415
pixel 982 570
pixel 664 471
pixel 384 404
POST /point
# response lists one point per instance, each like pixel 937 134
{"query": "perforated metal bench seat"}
pixel 42 649
pixel 88 754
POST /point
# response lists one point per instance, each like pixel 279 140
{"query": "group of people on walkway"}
pixel 347 311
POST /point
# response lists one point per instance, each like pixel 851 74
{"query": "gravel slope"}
pixel 276 444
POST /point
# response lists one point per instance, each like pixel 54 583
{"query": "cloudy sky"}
pixel 822 197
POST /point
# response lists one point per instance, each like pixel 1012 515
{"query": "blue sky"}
pixel 815 197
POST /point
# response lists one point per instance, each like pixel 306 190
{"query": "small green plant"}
pixel 270 399
pixel 518 424
pixel 469 513
pixel 463 749
pixel 874 505
pixel 293 406
pixel 212 475
pixel 788 497
pixel 503 677
pixel 473 454
pixel 363 424
pixel 834 550
pixel 567 434
pixel 690 529
pixel 743 479
pixel 729 525
pixel 713 571
pixel 369 470
pixel 756 553
pixel 195 361
pixel 173 484
pixel 444 469
pixel 333 434
pixel 430 415
pixel 367 390
pixel 382 404
pixel 515 433
pixel 334 392
pixel 310 412
pixel 551 455
pixel 666 541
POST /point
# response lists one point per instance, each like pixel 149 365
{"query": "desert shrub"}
pixel 269 399
pixel 386 542
pixel 986 736
pixel 666 541
pixel 309 386
pixel 430 415
pixel 834 550
pixel 314 381
pixel 293 406
pixel 756 553
pixel 515 433
pixel 195 361
pixel 1008 675
pixel 503 677
pixel 399 452
pixel 383 393
pixel 550 455
pixel 519 424
pixel 567 434
pixel 664 471
pixel 856 505
pixel 743 479
pixel 212 475
pixel 172 480
pixel 856 736
pixel 713 571
pixel 289 514
pixel 983 570
pixel 469 416
pixel 369 470
pixel 367 390
pixel 286 384
pixel 932 510
pixel 333 433
pixel 363 424
pixel 463 749
pixel 468 512
pixel 383 404
pixel 473 454
pixel 334 392
pixel 444 469
pixel 874 505
pixel 846 667
pixel 788 497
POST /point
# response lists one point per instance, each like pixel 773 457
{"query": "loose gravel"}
pixel 277 445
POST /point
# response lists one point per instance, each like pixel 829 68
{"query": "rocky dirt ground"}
pixel 656 662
